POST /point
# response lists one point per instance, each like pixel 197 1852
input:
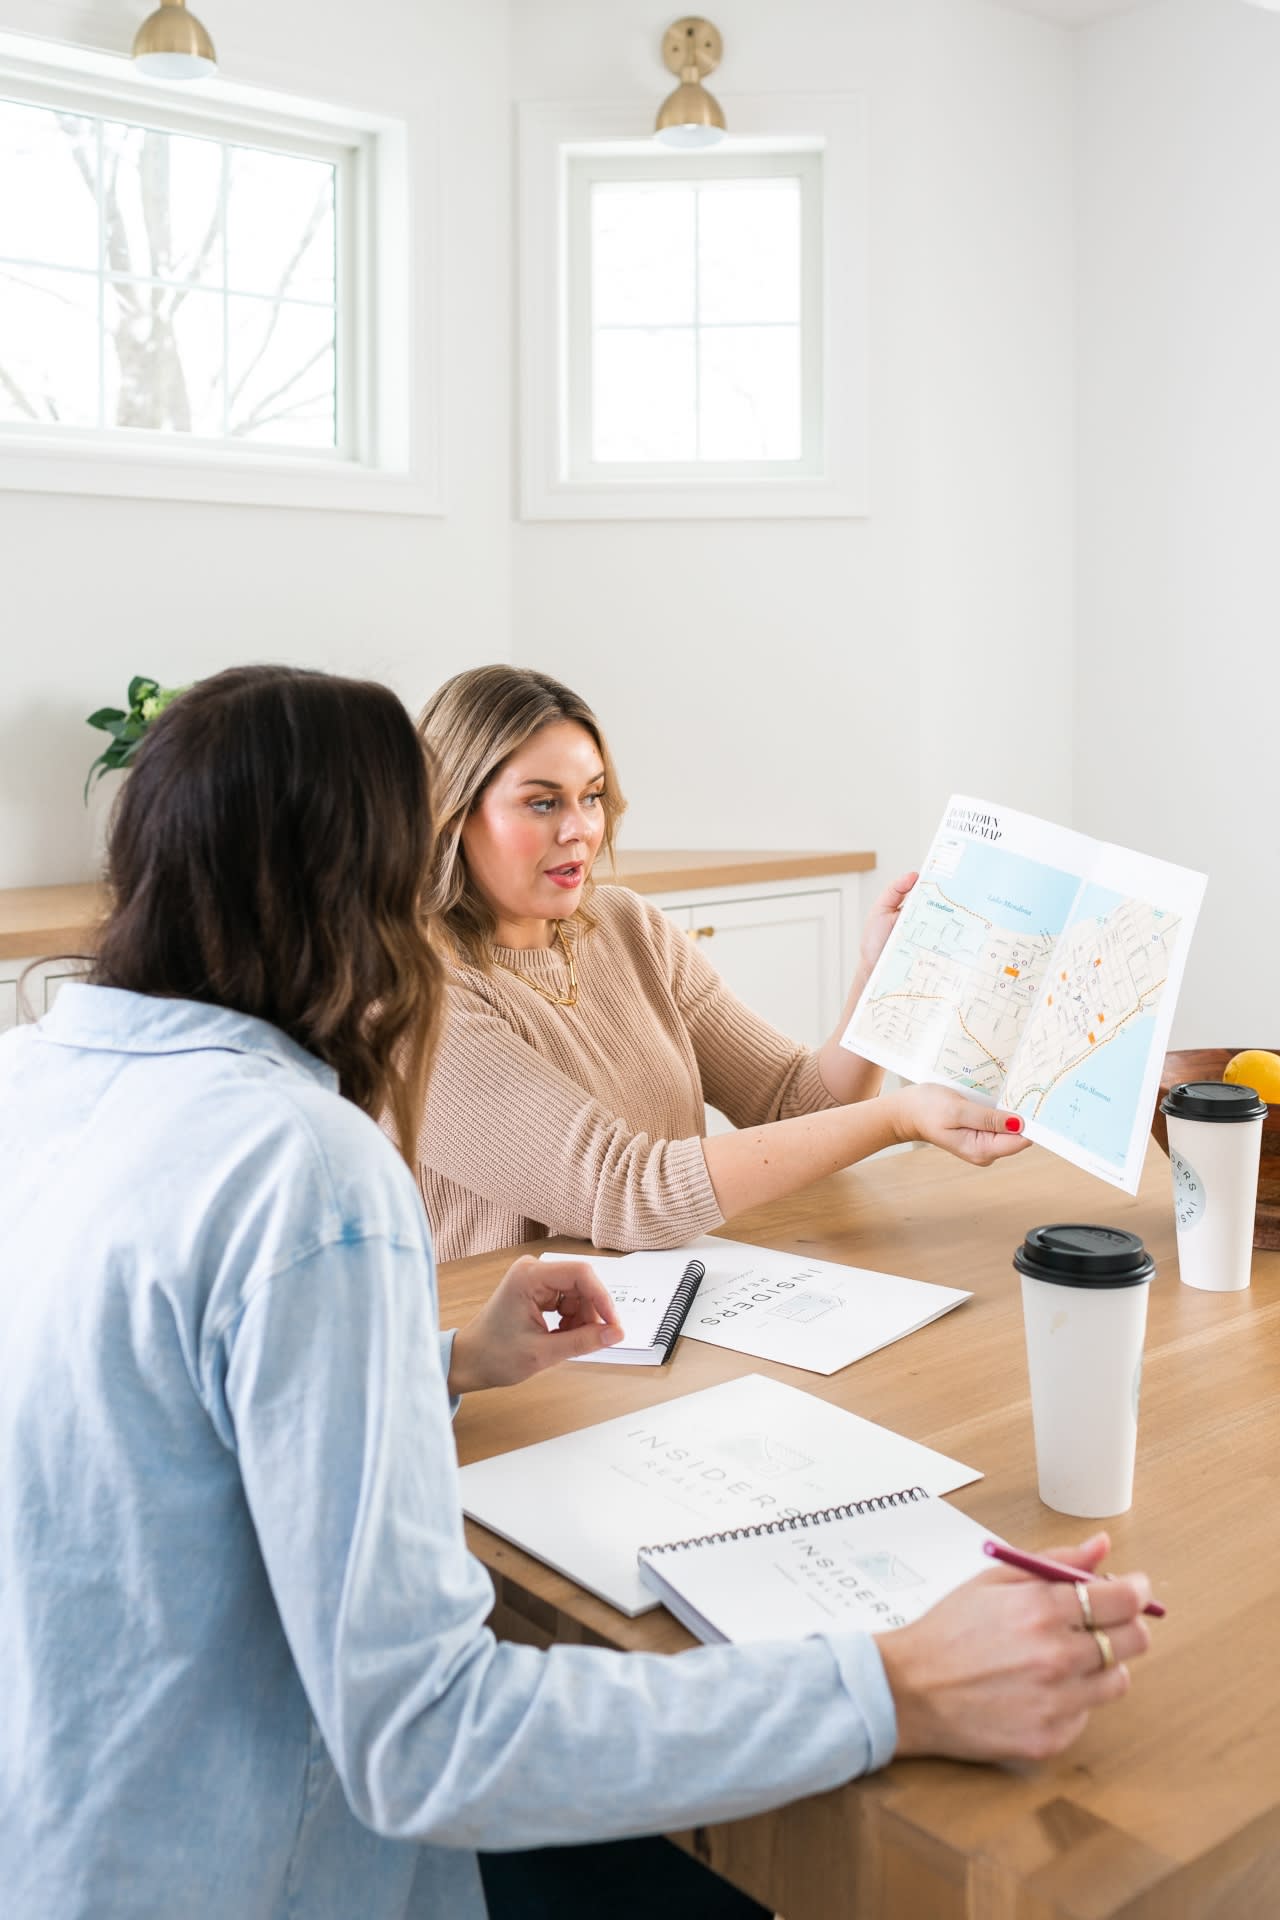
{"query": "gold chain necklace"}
pixel 569 999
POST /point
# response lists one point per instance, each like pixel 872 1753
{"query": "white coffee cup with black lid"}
pixel 1084 1311
pixel 1215 1141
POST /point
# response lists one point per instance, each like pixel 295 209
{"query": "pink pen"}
pixel 1054 1570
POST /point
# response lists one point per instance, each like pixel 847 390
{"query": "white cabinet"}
pixel 786 948
pixel 26 998
pixel 781 954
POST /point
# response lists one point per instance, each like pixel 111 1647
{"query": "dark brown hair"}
pixel 470 727
pixel 269 853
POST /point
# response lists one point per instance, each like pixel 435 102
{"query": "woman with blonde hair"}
pixel 586 1032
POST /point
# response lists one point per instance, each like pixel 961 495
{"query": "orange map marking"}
pixel 1013 972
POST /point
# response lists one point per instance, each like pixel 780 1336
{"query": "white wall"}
pixel 825 683
pixel 1179 477
pixel 996 544
pixel 95 590
pixel 777 684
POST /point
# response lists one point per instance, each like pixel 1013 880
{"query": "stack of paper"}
pixel 805 1313
pixel 734 1455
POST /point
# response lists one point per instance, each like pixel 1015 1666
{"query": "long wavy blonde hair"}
pixel 470 727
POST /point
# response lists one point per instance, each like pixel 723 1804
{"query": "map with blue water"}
pixel 1028 984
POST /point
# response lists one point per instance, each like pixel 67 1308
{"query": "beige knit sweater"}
pixel 588 1120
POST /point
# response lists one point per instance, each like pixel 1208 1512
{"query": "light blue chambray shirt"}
pixel 245 1667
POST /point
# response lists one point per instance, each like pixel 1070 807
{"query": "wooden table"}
pixel 1169 1806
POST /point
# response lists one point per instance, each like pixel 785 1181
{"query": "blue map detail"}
pixel 1095 904
pixel 1093 1106
pixel 1015 893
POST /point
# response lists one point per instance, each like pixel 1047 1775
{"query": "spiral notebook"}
pixel 746 1450
pixel 863 1566
pixel 652 1293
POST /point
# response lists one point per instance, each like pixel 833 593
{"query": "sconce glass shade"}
pixel 690 117
pixel 171 44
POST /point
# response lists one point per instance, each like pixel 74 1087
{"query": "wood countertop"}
pixel 39 921
pixel 1168 1808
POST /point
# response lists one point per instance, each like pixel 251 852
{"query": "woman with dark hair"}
pixel 244 1645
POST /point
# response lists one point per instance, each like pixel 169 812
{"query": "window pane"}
pixel 750 393
pixel 282 373
pixel 163 361
pixel 206 298
pixel 749 251
pixel 162 203
pixel 642 255
pixel 48 347
pixel 280 225
pixel 645 399
pixel 53 216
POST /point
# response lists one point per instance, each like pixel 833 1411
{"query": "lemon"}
pixel 1257 1069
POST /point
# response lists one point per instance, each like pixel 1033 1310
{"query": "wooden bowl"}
pixel 1206 1063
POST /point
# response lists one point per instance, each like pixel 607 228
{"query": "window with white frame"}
pixel 694 334
pixel 224 295
pixel 162 280
pixel 693 328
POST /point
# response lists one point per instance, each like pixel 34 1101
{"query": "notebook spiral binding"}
pixel 681 1301
pixel 793 1522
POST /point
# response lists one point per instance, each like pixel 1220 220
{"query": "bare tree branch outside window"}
pixel 187 345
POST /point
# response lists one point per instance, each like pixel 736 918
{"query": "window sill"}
pixel 666 499
pixel 214 479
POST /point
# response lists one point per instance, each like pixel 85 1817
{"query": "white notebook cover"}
pixel 642 1287
pixel 816 1314
pixel 746 1451
pixel 864 1574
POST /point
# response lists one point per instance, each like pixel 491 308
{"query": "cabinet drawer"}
pixel 30 987
pixel 53 983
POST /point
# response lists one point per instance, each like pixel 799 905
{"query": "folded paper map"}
pixel 1038 969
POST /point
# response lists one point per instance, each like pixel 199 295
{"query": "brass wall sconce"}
pixel 171 44
pixel 691 117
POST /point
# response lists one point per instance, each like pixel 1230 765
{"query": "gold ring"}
pixel 1086 1605
pixel 1104 1648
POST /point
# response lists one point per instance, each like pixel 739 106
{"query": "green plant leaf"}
pixel 100 766
pixel 147 701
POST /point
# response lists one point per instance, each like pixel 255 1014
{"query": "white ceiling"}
pixel 1071 13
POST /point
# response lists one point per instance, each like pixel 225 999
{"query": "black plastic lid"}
pixel 1213 1100
pixel 1080 1256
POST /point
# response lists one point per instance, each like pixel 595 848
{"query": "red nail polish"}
pixel 1013 1124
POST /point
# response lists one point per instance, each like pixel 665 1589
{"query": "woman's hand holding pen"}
pixel 1006 1667
pixel 509 1341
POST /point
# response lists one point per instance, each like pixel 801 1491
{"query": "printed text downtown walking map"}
pixel 1037 968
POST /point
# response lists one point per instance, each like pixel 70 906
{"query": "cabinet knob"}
pixel 703 933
